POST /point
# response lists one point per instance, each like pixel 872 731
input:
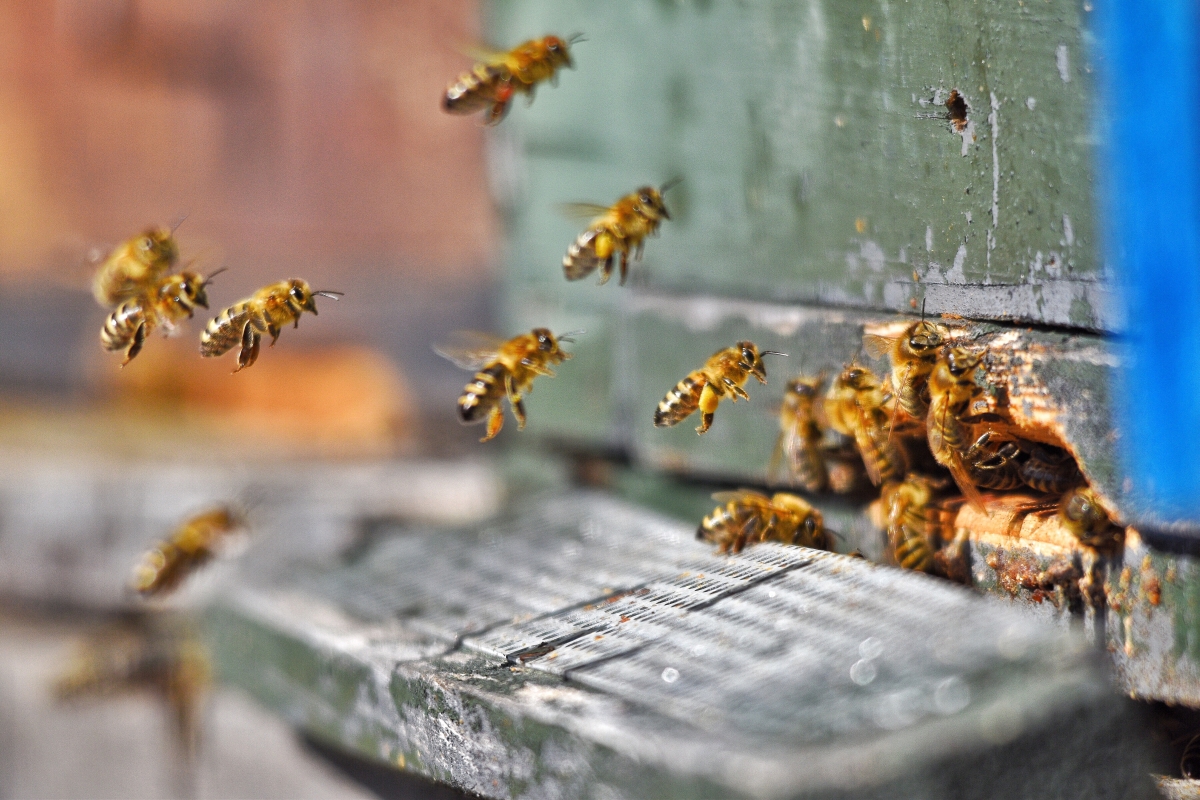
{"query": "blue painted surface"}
pixel 1151 198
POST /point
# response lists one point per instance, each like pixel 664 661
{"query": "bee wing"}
pixel 877 346
pixel 470 349
pixel 738 495
pixel 481 52
pixel 583 211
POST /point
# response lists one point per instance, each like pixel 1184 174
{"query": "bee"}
pixel 798 446
pixel 135 264
pixel 193 544
pixel 993 465
pixel 909 506
pixel 143 654
pixel 615 231
pixel 166 304
pixel 493 82
pixel 1082 515
pixel 506 369
pixel 952 388
pixel 1050 469
pixel 748 517
pixel 913 355
pixel 857 406
pixel 724 374
pixel 267 311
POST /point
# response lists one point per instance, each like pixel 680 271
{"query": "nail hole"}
pixel 956 107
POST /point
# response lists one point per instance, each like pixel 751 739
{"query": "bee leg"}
pixel 606 270
pixel 529 95
pixel 135 347
pixel 495 422
pixel 498 110
pixel 274 331
pixel 735 389
pixel 641 245
pixel 515 401
pixel 248 354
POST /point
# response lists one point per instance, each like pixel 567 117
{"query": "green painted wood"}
pixel 815 164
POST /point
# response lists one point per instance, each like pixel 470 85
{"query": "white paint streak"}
pixel 1062 60
pixel 1031 103
pixel 994 122
pixel 956 274
pixel 929 239
pixel 967 214
pixel 873 255
pixel 1068 231
pixel 968 136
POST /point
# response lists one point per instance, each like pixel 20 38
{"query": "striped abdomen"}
pixel 582 257
pixel 122 325
pixel 483 86
pixel 224 332
pixel 909 546
pixel 1050 470
pixel 880 453
pixel 730 528
pixel 681 401
pixel 947 436
pixel 913 397
pixel 806 463
pixel 482 394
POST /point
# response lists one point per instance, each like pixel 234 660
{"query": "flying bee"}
pixel 798 447
pixel 615 231
pixel 164 305
pixel 857 406
pixel 909 507
pixel 952 388
pixel 913 355
pixel 723 374
pixel 505 369
pixel 267 311
pixel 1081 514
pixel 1050 469
pixel 495 81
pixel 143 654
pixel 196 541
pixel 134 265
pixel 748 517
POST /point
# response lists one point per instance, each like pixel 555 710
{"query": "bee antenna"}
pixel 670 185
pixel 330 293
pixel 180 221
pixel 923 299
pixel 772 353
pixel 208 278
pixel 576 37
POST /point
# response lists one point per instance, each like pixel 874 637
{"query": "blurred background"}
pixel 298 140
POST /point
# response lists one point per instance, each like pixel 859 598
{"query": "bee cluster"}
pixel 934 434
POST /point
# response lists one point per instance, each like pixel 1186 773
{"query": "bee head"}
pixel 157 245
pixel 1080 507
pixel 961 360
pixel 191 287
pixel 558 51
pixel 545 340
pixel 925 338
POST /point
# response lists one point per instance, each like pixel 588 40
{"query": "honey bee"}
pixel 505 369
pixel 614 231
pixel 857 406
pixel 952 387
pixel 1082 515
pixel 993 465
pixel 495 81
pixel 800 436
pixel 143 654
pixel 135 264
pixel 1050 469
pixel 166 304
pixel 913 355
pixel 909 509
pixel 723 374
pixel 267 311
pixel 748 517
pixel 193 544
